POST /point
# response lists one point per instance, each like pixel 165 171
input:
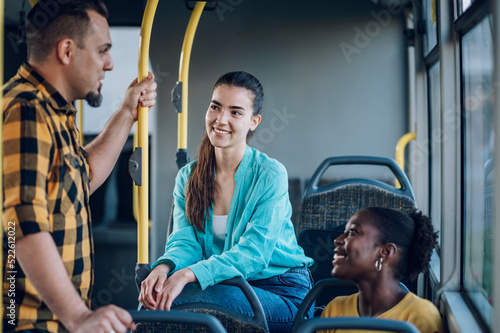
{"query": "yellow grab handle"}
pixel 142 133
pixel 187 45
pixel 400 151
pixel 33 3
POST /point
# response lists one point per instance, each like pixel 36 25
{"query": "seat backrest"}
pixel 231 320
pixel 166 321
pixel 326 209
pixel 332 208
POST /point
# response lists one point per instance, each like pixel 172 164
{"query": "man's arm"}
pixel 106 147
pixel 38 257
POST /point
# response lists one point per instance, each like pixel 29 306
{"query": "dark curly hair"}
pixel 412 233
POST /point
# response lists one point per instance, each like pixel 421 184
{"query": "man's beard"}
pixel 94 99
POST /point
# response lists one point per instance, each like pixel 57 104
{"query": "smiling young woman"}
pixel 232 219
pixel 379 247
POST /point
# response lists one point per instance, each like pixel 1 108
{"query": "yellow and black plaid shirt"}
pixel 46 188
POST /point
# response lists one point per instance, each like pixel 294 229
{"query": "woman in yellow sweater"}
pixel 379 247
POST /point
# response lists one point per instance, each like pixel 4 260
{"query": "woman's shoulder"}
pixel 416 305
pixel 186 170
pixel 264 163
pixel 420 312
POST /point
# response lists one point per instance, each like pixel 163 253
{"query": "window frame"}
pixel 432 146
pixel 444 281
pixel 474 15
pixel 425 40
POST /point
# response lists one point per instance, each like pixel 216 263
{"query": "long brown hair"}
pixel 200 188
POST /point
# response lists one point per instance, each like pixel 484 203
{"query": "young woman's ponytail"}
pixel 201 185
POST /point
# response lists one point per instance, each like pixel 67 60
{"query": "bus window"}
pixel 477 99
pixel 430 14
pixel 463 5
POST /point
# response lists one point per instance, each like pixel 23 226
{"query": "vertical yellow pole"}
pixel 2 9
pixel 187 45
pixel 143 132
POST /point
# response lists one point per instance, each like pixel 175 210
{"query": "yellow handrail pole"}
pixel 143 132
pixel 400 150
pixel 33 3
pixel 2 12
pixel 187 45
pixel 79 124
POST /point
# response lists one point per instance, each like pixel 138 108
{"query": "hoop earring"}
pixel 378 264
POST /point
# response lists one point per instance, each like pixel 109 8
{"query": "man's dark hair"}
pixel 52 20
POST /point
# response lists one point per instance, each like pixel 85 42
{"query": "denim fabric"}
pixel 280 297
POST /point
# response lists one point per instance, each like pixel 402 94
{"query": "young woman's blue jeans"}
pixel 280 297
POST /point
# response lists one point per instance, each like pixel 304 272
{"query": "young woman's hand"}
pixel 151 284
pixel 172 288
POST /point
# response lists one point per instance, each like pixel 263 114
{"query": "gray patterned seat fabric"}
pixel 230 323
pixel 324 215
pixel 175 321
pixel 326 210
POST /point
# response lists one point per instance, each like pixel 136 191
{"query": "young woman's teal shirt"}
pixel 260 239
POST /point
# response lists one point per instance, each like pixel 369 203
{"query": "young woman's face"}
pixel 230 117
pixel 357 249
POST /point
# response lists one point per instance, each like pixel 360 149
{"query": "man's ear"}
pixel 65 50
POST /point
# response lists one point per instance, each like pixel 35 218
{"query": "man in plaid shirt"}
pixel 48 176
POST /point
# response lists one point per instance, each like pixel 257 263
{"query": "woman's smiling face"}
pixel 230 116
pixel 357 249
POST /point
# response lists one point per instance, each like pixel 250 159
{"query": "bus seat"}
pixel 326 209
pixel 165 321
pixel 232 320
pixel 339 287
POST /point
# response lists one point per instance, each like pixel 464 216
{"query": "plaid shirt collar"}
pixel 49 93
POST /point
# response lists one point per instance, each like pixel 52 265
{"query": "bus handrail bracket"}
pixel 135 166
pixel 177 96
